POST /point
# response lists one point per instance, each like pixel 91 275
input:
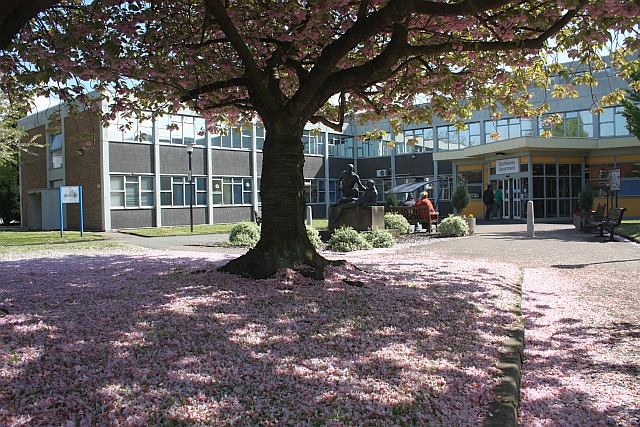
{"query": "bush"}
pixel 314 236
pixel 391 200
pixel 244 234
pixel 586 196
pixel 379 238
pixel 398 222
pixel 460 198
pixel 453 226
pixel 346 239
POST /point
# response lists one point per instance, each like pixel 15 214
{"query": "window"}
pixel 474 182
pixel 231 191
pixel 131 191
pixel 313 142
pixel 575 124
pixel 55 149
pixel 508 129
pixel 416 141
pixel 316 191
pixel 176 191
pixel 452 138
pixel 129 129
pixel 340 146
pixel 612 123
pixel 181 130
pixel 238 138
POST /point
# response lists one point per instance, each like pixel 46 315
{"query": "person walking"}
pixel 489 201
pixel 497 211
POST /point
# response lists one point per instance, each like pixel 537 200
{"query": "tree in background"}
pixel 291 62
pixel 631 103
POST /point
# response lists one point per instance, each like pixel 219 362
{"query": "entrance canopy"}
pixel 413 186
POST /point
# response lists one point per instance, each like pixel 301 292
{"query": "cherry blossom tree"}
pixel 291 62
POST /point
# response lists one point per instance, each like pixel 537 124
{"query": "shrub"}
pixel 586 196
pixel 391 200
pixel 379 238
pixel 314 236
pixel 346 239
pixel 460 198
pixel 398 222
pixel 244 234
pixel 453 226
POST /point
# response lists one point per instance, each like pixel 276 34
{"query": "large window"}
pixel 55 150
pixel 315 191
pixel 556 188
pixel 452 138
pixel 176 191
pixel 612 123
pixel 416 141
pixel 372 148
pixel 313 142
pixel 575 124
pixel 239 138
pixel 474 182
pixel 131 191
pixel 231 191
pixel 129 129
pixel 340 146
pixel 178 130
pixel 497 130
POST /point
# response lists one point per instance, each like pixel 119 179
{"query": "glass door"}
pixel 516 198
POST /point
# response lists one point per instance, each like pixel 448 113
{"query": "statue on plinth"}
pixel 369 198
pixel 348 180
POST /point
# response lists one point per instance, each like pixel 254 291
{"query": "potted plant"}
pixel 460 200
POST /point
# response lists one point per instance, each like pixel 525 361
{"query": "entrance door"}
pixel 516 198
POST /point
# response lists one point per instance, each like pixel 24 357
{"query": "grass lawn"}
pixel 629 228
pixel 43 237
pixel 199 229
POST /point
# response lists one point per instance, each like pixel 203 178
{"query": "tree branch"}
pixel 211 87
pixel 253 73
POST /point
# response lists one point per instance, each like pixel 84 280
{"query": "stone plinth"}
pixel 360 219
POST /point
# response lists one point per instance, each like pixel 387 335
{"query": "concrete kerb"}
pixel 504 411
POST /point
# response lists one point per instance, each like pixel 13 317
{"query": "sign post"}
pixel 71 195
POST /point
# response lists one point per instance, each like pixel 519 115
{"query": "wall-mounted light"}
pixel 413 156
pixel 80 152
pixel 500 153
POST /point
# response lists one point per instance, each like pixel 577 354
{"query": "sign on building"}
pixel 506 166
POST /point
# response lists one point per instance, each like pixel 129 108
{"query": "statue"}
pixel 369 198
pixel 348 180
pixel 350 198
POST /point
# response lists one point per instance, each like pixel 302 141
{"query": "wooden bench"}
pixel 588 219
pixel 611 221
pixel 418 214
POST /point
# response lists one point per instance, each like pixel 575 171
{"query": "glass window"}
pixel 131 191
pixel 316 191
pixel 232 191
pixel 177 191
pixel 340 146
pixel 612 123
pixel 55 151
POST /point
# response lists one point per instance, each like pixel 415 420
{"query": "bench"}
pixel 611 221
pixel 588 219
pixel 418 214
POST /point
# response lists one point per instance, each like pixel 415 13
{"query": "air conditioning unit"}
pixel 381 173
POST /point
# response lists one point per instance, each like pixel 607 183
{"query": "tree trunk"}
pixel 284 242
